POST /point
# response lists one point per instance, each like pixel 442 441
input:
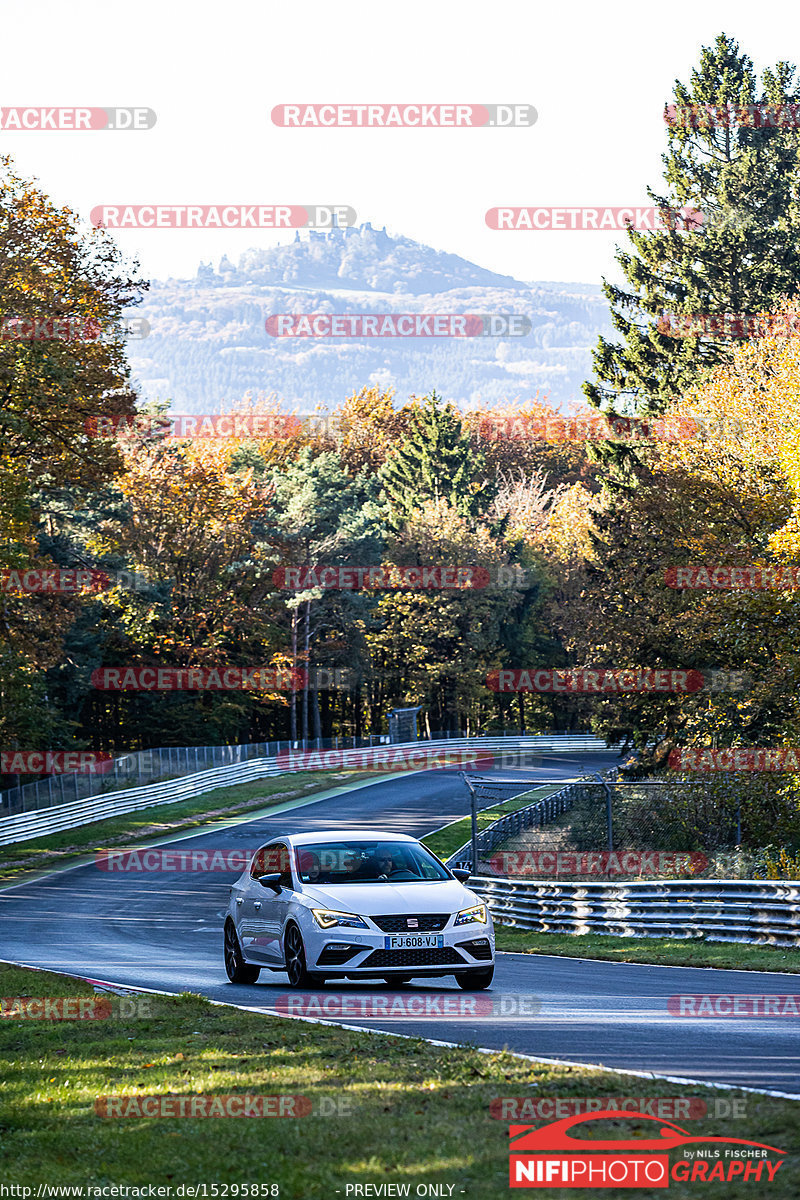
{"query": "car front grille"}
pixel 414 958
pixel 398 922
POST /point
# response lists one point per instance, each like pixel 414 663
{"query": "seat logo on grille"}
pixel 412 923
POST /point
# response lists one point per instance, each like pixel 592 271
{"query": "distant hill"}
pixel 208 344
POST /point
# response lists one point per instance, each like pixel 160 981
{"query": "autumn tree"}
pixel 188 533
pixel 62 362
pixel 723 493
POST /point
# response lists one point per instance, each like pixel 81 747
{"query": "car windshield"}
pixel 368 862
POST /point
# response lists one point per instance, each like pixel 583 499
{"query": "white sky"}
pixel 598 74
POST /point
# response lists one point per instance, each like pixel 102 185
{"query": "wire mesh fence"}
pixel 612 831
pixel 154 766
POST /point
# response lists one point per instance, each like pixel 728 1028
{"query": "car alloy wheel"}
pixel 237 970
pixel 295 955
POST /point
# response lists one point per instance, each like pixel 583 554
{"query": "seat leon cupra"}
pixel 355 905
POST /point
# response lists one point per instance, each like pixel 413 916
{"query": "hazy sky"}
pixel 598 75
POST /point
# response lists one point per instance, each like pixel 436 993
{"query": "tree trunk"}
pixel 326 715
pixel 293 707
pixel 315 714
pixel 357 712
pixel 307 666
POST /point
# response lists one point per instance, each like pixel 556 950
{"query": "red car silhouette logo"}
pixel 554 1136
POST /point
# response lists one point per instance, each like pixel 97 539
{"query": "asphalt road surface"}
pixel 164 931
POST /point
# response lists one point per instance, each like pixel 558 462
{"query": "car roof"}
pixel 338 835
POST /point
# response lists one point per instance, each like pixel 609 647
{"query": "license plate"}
pixel 414 941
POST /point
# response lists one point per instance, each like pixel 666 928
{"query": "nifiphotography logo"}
pixel 549 1158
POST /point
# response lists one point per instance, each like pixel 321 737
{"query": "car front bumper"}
pixel 361 953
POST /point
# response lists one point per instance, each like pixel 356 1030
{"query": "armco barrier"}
pixel 25 826
pixel 157 764
pixel 717 910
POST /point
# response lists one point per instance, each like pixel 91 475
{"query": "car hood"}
pixel 377 899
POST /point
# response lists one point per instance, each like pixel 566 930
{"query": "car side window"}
pixel 257 865
pixel 282 863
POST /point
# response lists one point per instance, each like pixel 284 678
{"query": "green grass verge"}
pixel 668 952
pixel 149 823
pixel 446 841
pixel 406 1112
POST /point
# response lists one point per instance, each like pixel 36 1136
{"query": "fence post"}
pixel 473 821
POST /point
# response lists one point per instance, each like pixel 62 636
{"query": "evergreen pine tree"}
pixel 436 461
pixel 742 175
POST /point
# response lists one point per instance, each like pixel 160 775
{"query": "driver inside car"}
pixel 309 867
pixel 384 862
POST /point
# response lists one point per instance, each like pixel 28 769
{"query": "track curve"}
pixel 163 931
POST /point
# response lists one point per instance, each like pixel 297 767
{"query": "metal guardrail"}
pixel 154 765
pixel 25 826
pixel 716 910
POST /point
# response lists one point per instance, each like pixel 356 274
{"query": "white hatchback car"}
pixel 355 905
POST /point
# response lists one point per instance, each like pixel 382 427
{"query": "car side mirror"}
pixel 461 875
pixel 271 881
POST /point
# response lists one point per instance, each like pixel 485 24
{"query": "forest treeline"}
pixel 693 462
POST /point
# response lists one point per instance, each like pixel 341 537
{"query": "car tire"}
pixel 294 954
pixel 475 981
pixel 237 970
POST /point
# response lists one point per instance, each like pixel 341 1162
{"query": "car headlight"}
pixel 468 915
pixel 326 918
